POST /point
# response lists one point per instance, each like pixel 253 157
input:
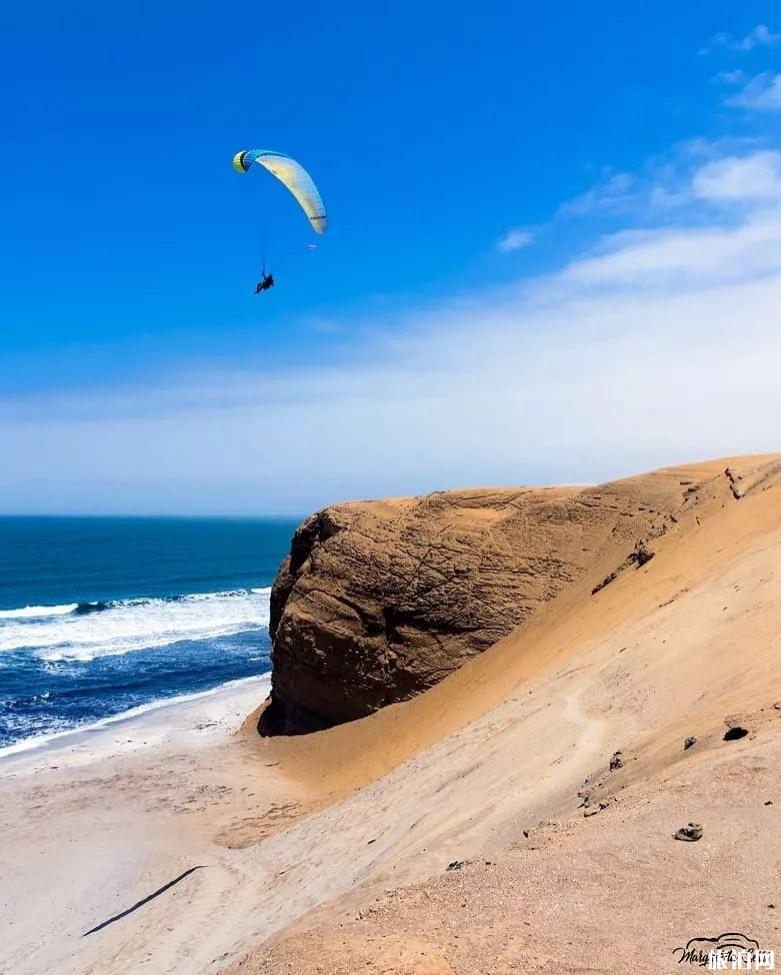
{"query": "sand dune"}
pixel 525 733
pixel 337 862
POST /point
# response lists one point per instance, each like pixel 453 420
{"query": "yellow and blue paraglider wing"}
pixel 293 175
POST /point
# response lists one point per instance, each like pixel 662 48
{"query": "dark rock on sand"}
pixel 735 733
pixel 602 804
pixel 689 833
pixel 640 555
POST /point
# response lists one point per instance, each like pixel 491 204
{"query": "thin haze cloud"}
pixel 753 177
pixel 613 192
pixel 515 240
pixel 761 94
pixel 760 36
pixel 626 358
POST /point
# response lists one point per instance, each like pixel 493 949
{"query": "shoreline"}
pixel 93 821
pixel 216 710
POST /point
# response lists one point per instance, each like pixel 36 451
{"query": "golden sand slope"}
pixel 525 734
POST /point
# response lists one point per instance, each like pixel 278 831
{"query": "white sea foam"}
pixel 37 612
pixel 134 624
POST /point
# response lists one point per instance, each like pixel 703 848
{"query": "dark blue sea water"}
pixel 100 615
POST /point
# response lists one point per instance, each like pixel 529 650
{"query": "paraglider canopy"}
pixel 293 175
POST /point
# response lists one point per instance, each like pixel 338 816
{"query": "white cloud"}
pixel 614 192
pixel 753 177
pixel 515 239
pixel 683 257
pixel 730 77
pixel 761 94
pixel 662 189
pixel 660 345
pixel 570 386
pixel 760 36
pixel 718 40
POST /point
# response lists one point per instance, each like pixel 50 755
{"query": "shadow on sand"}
pixel 146 900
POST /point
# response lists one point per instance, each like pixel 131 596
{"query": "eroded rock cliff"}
pixel 379 600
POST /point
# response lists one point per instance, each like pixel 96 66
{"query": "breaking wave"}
pixel 37 612
pixel 84 631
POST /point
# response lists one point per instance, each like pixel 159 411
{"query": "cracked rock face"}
pixel 378 601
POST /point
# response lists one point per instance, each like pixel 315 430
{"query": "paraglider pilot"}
pixel 296 180
pixel 266 282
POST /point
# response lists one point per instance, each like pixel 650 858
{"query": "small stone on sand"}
pixel 689 833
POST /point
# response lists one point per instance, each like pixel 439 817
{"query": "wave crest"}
pixel 83 631
pixel 37 612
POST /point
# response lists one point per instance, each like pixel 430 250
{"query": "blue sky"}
pixel 512 191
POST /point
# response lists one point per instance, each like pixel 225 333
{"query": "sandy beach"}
pixel 98 819
pixel 179 841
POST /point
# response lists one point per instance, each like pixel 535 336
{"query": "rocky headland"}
pixel 380 600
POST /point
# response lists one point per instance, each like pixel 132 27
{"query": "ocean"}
pixel 104 616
